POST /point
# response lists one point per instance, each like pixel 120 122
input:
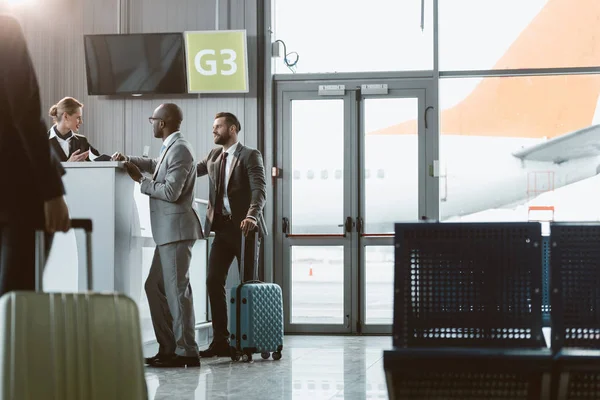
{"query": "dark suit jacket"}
pixel 30 173
pixel 79 142
pixel 246 188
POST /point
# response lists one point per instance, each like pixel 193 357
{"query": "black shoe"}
pixel 177 362
pixel 216 349
pixel 157 357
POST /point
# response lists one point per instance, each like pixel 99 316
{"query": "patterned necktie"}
pixel 221 184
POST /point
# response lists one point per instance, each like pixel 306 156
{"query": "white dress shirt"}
pixel 64 144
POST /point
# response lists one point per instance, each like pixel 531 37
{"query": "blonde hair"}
pixel 67 105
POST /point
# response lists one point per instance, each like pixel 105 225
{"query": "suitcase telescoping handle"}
pixel 40 254
pixel 243 256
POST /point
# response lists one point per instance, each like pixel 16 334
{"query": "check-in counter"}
pixel 122 244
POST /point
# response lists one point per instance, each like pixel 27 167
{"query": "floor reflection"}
pixel 312 367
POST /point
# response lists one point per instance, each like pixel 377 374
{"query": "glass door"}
pixel 391 186
pixel 316 223
pixel 353 162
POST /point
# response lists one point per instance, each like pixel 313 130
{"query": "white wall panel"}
pixel 55 29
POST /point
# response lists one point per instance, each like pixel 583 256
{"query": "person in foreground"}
pixel 237 196
pixel 33 196
pixel 175 228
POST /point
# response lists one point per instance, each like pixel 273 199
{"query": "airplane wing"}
pixel 579 144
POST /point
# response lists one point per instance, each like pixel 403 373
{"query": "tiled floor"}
pixel 312 367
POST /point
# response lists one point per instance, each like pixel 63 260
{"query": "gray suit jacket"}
pixel 171 190
pixel 246 188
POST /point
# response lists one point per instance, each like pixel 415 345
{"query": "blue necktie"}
pixel 162 148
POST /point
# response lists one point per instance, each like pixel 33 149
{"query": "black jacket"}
pixel 246 190
pixel 78 142
pixel 31 173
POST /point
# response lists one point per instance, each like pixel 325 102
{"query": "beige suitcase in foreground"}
pixel 70 346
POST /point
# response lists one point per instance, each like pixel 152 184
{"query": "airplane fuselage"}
pixel 477 174
pixel 494 178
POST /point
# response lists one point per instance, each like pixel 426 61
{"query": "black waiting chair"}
pixel 467 374
pixel 575 299
pixel 575 283
pixel 468 285
pixel 468 313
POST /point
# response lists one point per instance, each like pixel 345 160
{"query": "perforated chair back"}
pixel 546 304
pixel 575 282
pixel 468 284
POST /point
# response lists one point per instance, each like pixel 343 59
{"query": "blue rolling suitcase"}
pixel 256 320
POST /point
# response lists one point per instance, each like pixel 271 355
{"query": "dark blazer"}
pixel 246 188
pixel 79 142
pixel 30 173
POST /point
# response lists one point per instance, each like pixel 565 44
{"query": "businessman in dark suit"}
pixel 237 196
pixel 33 191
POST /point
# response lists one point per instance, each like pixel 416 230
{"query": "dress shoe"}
pixel 152 360
pixel 216 349
pixel 177 362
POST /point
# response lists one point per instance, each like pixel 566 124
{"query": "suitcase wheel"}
pixel 265 355
pixel 235 356
pixel 247 357
pixel 277 355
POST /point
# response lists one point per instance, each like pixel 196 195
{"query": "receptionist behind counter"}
pixel 68 145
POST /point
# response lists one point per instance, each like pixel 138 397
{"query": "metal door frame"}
pixel 398 90
pixel 287 241
pixel 287 88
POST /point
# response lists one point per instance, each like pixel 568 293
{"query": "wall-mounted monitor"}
pixel 145 63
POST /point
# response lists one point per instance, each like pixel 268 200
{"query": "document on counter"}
pixel 102 157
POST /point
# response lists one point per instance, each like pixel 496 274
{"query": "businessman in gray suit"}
pixel 237 196
pixel 175 228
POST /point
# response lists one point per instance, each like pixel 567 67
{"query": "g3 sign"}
pixel 229 62
pixel 216 61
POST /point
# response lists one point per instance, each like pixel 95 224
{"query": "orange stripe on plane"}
pixel 564 33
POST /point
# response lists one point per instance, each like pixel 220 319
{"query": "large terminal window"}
pixel 354 35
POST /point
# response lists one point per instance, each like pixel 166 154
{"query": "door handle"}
pixel 349 224
pixel 359 225
pixel 425 116
pixel 285 226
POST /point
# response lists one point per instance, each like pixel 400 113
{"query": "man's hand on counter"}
pixel 133 171
pixel 118 157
